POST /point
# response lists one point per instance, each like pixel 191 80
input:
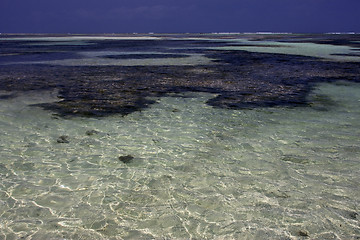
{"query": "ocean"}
pixel 180 136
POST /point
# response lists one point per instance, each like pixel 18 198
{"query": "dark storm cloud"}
pixel 179 16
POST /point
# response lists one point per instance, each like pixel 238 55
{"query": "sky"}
pixel 178 16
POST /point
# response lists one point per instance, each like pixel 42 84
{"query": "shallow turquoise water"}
pixel 96 57
pixel 325 51
pixel 198 172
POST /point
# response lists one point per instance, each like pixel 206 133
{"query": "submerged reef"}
pixel 240 79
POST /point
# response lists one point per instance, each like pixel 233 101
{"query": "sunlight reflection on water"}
pixel 197 171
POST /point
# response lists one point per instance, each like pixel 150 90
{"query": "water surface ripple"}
pixel 181 168
pixel 197 171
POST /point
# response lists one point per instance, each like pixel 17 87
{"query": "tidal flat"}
pixel 180 136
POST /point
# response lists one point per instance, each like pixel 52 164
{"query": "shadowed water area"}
pixel 179 136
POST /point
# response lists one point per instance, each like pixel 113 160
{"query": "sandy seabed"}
pixel 215 143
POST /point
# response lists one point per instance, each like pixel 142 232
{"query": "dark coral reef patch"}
pixel 241 79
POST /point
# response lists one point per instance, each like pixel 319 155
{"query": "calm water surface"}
pixel 197 172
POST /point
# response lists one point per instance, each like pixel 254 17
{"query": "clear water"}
pixel 198 172
pixel 97 59
pixel 325 51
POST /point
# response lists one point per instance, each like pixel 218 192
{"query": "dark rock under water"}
pixel 241 79
pixel 63 139
pixel 126 159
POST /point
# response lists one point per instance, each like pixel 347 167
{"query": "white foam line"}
pixel 76 38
